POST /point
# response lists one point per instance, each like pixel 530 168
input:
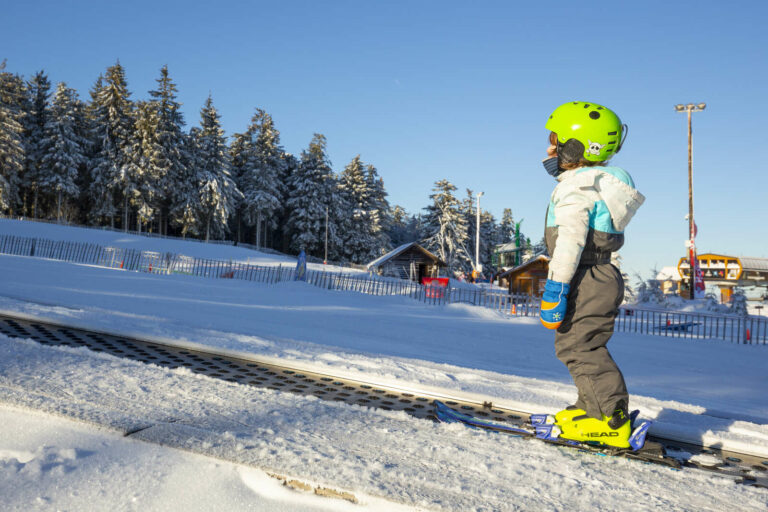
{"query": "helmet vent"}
pixel 594 114
pixel 612 133
pixel 586 105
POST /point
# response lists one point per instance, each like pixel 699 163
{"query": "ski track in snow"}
pixel 415 462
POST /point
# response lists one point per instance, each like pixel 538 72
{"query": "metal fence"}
pixel 737 329
pixel 733 328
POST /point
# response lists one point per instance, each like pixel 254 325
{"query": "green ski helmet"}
pixel 597 128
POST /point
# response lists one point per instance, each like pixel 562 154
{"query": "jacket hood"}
pixel 614 186
pixel 622 199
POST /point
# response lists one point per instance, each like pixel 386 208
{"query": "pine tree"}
pixel 446 228
pixel 12 155
pixel 39 92
pixel 490 237
pixel 398 230
pixel 356 232
pixel 379 208
pixel 111 175
pixel 289 165
pixel 507 227
pixel 239 155
pixel 145 178
pixel 260 181
pixel 184 201
pixel 217 192
pixel 62 149
pixel 89 114
pixel 167 159
pixel 312 193
pixel 363 199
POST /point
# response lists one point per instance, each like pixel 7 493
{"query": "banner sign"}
pixel 301 268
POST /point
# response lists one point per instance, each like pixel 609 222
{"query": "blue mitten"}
pixel 553 303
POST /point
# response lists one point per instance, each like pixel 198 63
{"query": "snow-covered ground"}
pixel 710 391
pixel 51 463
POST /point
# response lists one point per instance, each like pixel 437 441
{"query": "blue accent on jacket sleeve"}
pixel 600 218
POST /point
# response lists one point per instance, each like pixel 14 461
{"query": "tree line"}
pixel 131 164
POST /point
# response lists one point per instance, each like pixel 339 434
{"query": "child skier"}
pixel 588 211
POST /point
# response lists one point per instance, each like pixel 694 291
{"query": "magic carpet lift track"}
pixel 743 468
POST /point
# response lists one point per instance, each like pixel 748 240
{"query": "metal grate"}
pixel 243 371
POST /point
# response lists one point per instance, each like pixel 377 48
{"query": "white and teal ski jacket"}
pixel 588 212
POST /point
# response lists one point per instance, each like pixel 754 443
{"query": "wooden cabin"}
pixel 409 261
pixel 528 278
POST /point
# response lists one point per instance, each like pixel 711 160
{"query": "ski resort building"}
pixel 409 261
pixel 727 272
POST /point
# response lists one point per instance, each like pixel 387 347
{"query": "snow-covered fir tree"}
pixel 289 165
pixel 397 229
pixel 312 191
pixel 184 195
pixel 739 302
pixel 88 129
pixel 357 234
pixel 166 160
pixel 403 228
pixel 379 208
pixel 216 190
pixel 39 91
pixel 62 149
pixel 260 178
pixel 445 227
pixel 113 123
pixel 239 151
pixel 12 156
pixel 507 226
pixel 143 183
pixel 650 290
pixel 490 237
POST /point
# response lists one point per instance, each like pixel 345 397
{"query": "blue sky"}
pixel 457 90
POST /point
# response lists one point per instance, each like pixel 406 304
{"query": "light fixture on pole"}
pixel 478 266
pixel 692 260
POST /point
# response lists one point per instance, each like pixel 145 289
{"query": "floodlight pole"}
pixel 478 267
pixel 689 109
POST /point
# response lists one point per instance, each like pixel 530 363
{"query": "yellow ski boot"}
pixel 568 414
pixel 610 431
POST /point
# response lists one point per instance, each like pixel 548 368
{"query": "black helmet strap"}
pixel 624 132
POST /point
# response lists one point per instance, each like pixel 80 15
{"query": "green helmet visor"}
pixel 597 128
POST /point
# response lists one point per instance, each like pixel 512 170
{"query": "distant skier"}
pixel 588 211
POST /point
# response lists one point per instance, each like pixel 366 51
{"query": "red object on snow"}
pixel 435 286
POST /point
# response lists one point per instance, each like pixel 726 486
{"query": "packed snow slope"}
pixel 709 391
pixel 50 463
pixel 366 452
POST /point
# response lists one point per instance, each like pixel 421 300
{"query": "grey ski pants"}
pixel 580 342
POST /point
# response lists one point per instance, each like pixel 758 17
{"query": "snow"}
pixel 708 390
pixel 58 464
